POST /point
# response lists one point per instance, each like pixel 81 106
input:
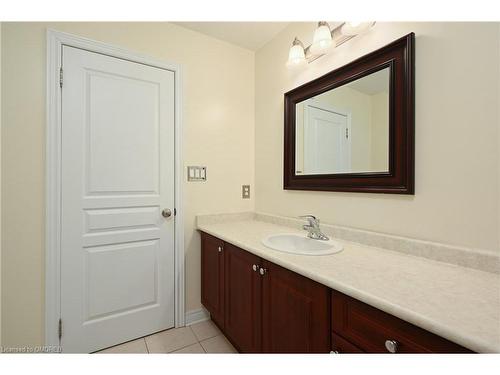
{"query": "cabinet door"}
pixel 295 312
pixel 212 277
pixel 242 299
pixel 340 345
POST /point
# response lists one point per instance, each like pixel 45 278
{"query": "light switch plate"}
pixel 245 191
pixel 196 173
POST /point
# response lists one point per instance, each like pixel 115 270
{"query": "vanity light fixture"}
pixel 296 56
pixel 323 40
pixel 356 28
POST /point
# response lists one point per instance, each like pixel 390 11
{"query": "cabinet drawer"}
pixel 368 329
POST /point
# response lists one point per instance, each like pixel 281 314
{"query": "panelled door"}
pixel 117 249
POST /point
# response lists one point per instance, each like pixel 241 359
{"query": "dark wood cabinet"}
pixel 295 312
pixel 243 287
pixel 340 345
pixel 212 277
pixel 264 308
pixel 358 326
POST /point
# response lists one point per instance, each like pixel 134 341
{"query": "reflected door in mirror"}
pixel 345 129
pixel 324 145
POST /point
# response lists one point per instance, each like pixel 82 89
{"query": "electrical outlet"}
pixel 245 191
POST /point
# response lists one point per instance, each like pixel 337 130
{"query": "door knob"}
pixel 255 268
pixel 166 212
pixel 262 271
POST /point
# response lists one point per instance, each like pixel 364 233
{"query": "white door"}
pixel 326 142
pixel 117 250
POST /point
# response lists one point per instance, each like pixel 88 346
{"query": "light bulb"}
pixel 322 40
pixel 296 55
pixel 355 27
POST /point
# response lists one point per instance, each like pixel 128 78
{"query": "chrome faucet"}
pixel 313 230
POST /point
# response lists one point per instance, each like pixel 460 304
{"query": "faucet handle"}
pixel 311 219
pixel 308 217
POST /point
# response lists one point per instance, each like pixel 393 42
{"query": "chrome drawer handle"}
pixel 255 267
pixel 262 271
pixel 391 346
pixel 220 249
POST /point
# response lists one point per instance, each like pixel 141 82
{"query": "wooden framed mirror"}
pixel 353 128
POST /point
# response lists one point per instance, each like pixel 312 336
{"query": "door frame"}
pixel 55 41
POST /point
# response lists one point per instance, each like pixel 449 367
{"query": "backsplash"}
pixel 460 256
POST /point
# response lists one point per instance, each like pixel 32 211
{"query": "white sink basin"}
pixel 301 244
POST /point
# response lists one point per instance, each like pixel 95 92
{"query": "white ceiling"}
pixel 249 35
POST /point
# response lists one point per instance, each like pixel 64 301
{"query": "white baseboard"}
pixel 196 316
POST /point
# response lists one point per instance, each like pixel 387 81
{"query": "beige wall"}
pixel 380 131
pixel 457 161
pixel 0 184
pixel 299 136
pixel 218 120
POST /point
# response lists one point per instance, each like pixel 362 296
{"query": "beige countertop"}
pixel 458 303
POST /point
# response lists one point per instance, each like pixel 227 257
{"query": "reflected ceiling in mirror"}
pixel 345 129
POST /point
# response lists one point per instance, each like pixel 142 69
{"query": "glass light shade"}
pixel 322 40
pixel 296 56
pixel 355 28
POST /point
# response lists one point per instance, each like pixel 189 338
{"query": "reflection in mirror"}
pixel 346 129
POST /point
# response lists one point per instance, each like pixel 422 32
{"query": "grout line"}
pixel 197 339
pixel 205 350
pixel 210 338
pixel 173 351
pixel 224 338
pixel 218 332
pixel 194 333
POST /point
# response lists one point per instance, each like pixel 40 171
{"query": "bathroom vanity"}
pixel 306 305
pixel 264 308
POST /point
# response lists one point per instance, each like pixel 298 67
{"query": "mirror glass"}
pixel 346 129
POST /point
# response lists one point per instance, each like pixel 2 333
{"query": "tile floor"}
pixel 203 337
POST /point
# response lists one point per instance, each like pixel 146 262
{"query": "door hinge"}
pixel 347 133
pixel 59 329
pixel 60 77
